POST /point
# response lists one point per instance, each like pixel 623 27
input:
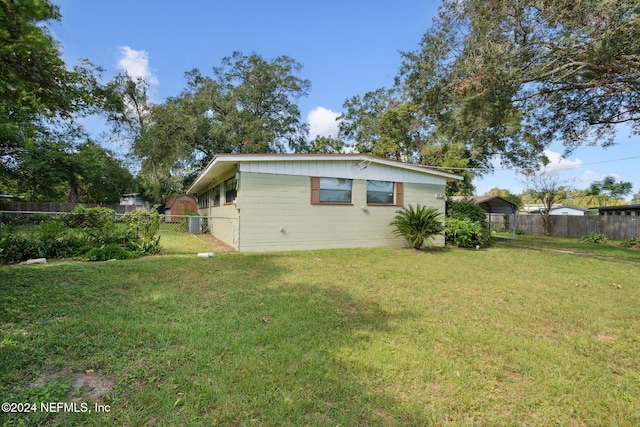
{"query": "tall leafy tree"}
pixel 508 77
pixel 615 189
pixel 248 105
pixel 37 90
pixel 383 124
pixel 165 150
pixel 57 170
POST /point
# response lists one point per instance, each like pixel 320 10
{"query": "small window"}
pixel 216 196
pixel 380 192
pixel 203 200
pixel 230 192
pixel 330 190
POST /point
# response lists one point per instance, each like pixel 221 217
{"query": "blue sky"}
pixel 346 48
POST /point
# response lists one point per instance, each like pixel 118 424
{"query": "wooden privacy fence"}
pixel 616 227
pixel 58 207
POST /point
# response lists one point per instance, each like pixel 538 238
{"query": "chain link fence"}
pixel 222 228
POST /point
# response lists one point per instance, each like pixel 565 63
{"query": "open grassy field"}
pixel 518 334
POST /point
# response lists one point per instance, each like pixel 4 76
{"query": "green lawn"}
pixel 518 334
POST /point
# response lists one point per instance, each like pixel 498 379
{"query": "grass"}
pixel 612 249
pixel 518 334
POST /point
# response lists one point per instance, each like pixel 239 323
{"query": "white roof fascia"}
pixel 236 158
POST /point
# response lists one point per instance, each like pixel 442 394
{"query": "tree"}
pixel 247 106
pixel 124 102
pixel 382 124
pixel 636 198
pixel 507 78
pixel 326 145
pixel 615 190
pixel 548 188
pixel 36 89
pixel 164 148
pixel 600 193
pixel 56 170
pixel 104 178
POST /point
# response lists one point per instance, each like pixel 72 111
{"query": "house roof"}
pixel 492 204
pixel 619 208
pixel 222 163
pixel 569 207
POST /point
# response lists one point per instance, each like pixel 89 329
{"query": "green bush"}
pixel 466 233
pixel 417 225
pixel 629 243
pixel 17 248
pixel 110 251
pixel 467 208
pixel 466 225
pixel 594 238
pixel 144 225
pixel 94 234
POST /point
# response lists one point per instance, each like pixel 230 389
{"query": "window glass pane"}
pixel 335 190
pixel 230 190
pixel 380 192
pixel 216 196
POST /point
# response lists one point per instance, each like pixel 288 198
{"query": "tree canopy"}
pixel 509 77
pixel 36 88
pixel 248 105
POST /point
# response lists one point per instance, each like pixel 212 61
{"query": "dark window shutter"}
pixel 399 193
pixel 315 190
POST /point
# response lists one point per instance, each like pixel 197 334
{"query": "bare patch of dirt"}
pixel 91 385
pixel 209 239
pixel 85 386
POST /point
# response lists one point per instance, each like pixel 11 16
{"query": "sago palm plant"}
pixel 417 225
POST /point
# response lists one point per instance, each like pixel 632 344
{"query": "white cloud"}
pixel 590 176
pixel 322 122
pixel 557 162
pixel 136 64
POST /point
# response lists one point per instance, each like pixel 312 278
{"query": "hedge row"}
pixel 93 234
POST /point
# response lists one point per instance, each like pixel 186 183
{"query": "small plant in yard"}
pixel 145 224
pixel 595 238
pixel 417 225
pixel 631 243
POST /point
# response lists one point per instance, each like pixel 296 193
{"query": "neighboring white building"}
pixel 271 202
pixel 133 199
pixel 567 210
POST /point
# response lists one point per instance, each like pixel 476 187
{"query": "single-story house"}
pixel 271 202
pixel 567 210
pixel 179 206
pixel 626 210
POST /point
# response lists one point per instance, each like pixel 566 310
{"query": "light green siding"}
pixel 223 219
pixel 276 214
